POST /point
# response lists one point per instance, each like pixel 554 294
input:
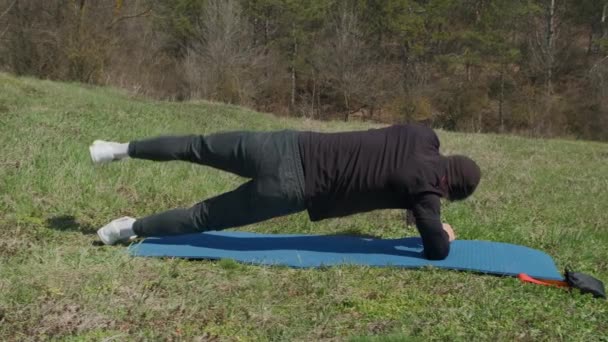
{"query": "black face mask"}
pixel 463 176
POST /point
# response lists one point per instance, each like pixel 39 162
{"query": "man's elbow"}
pixel 438 253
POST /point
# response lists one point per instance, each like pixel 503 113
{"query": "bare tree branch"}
pixel 223 57
pixel 8 9
pixel 345 62
pixel 126 17
pixel 604 24
pixel 596 65
pixel 3 14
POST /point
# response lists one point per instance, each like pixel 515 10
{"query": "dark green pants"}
pixel 270 159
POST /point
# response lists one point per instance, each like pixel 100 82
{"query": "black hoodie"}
pixel 397 167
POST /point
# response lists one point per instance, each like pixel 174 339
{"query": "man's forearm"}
pixel 435 239
pixel 436 245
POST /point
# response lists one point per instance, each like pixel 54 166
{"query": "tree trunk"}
pixel 478 10
pixel 319 114
pixel 550 45
pixel 314 95
pixel 590 41
pixel 604 22
pixel 255 31
pixel 266 28
pixel 292 103
pixel 266 32
pixel 501 100
pixel 347 104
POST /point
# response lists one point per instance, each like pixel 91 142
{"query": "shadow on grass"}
pixel 240 242
pixel 356 233
pixel 69 223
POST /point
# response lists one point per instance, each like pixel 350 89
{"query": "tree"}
pixel 223 50
pixel 3 14
pixel 499 29
pixel 546 22
pixel 290 28
pixel 177 20
pixel 303 22
pixel 604 21
pixel 346 60
pixel 592 15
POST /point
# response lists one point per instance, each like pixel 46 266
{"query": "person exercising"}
pixel 327 174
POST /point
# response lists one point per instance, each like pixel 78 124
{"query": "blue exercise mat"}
pixel 328 250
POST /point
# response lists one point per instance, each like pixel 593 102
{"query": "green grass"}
pixel 56 283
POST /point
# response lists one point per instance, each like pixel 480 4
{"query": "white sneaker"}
pixel 119 230
pixel 106 151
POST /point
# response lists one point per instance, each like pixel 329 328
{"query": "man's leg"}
pixel 236 152
pixel 236 208
pixel 277 190
pixel 250 203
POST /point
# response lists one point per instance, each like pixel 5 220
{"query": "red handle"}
pixel 527 279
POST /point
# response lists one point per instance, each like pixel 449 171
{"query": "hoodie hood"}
pixel 463 176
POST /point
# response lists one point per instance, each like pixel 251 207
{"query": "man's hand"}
pixel 448 229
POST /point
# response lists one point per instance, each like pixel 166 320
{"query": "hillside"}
pixel 56 281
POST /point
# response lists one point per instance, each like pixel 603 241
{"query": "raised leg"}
pixel 236 152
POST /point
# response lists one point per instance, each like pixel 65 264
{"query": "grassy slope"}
pixel 547 194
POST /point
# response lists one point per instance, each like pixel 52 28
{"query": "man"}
pixel 327 174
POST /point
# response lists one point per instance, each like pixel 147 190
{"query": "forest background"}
pixel 530 67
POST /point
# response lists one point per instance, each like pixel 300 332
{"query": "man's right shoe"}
pixel 119 230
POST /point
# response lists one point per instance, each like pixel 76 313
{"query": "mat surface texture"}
pixel 329 250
